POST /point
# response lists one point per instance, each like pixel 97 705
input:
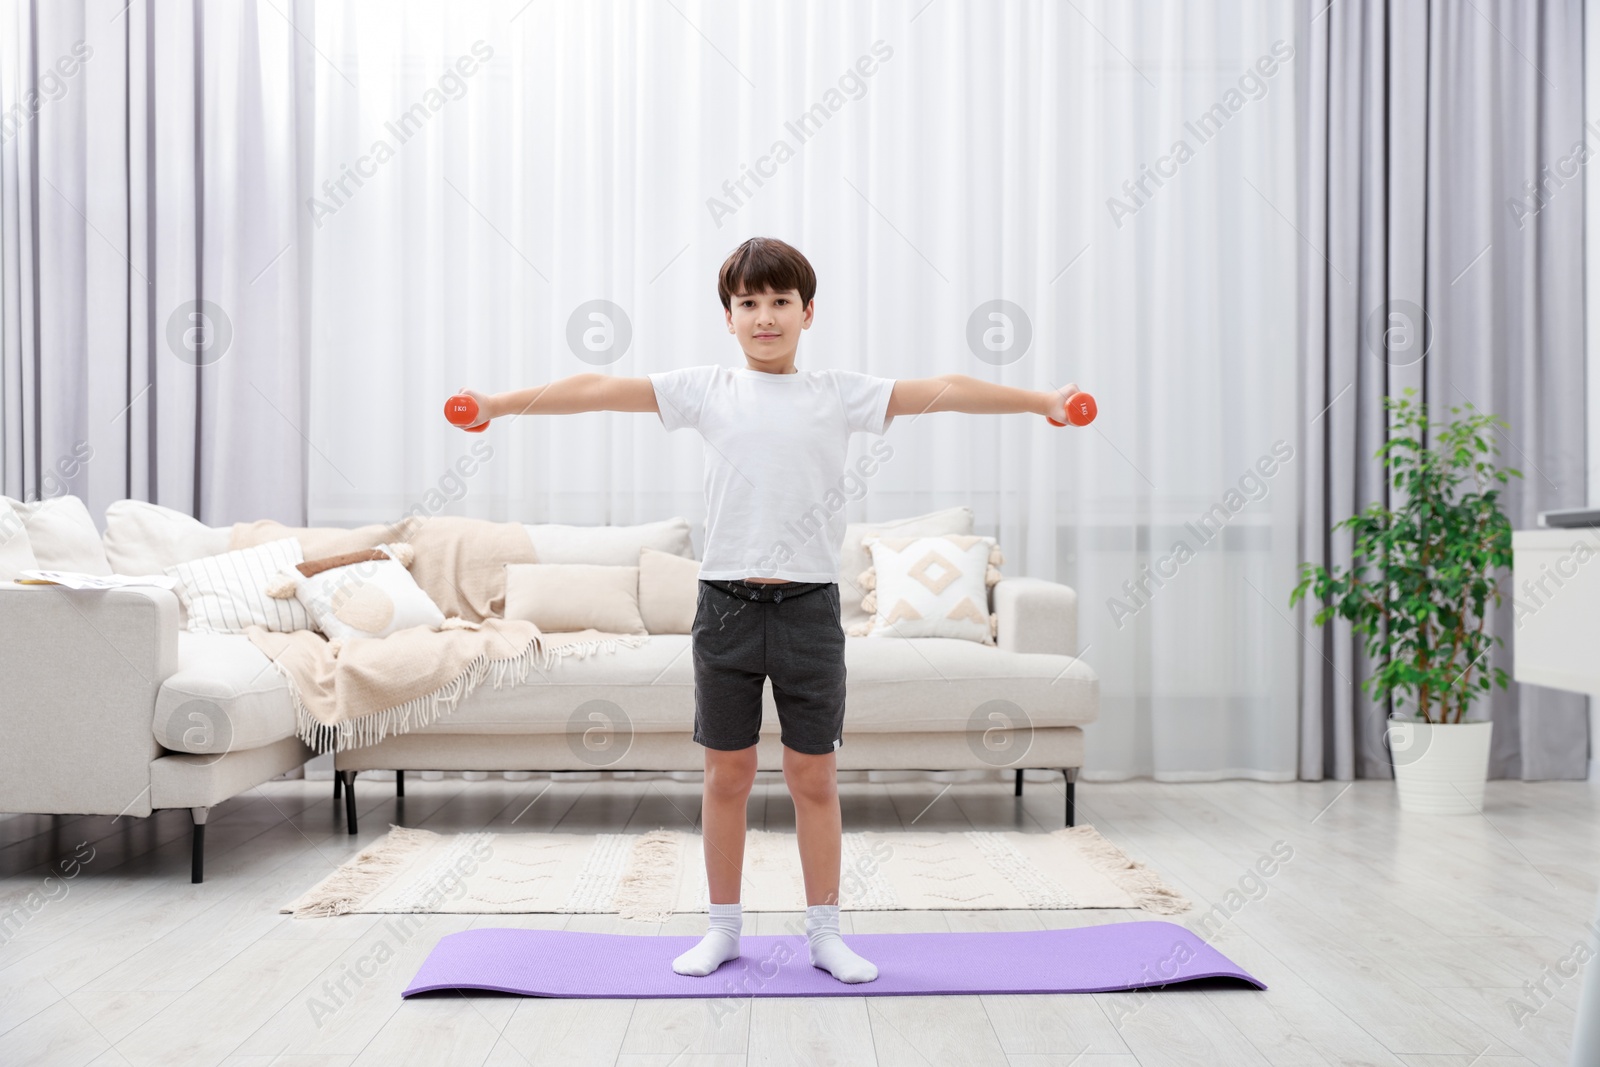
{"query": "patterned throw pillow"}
pixel 367 593
pixel 930 587
pixel 854 558
pixel 226 593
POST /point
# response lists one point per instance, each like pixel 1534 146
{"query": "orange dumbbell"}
pixel 462 411
pixel 1081 410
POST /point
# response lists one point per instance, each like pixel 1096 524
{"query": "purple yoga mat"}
pixel 1087 959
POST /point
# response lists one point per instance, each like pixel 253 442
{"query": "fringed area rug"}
pixel 648 877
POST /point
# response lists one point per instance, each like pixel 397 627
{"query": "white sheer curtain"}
pixel 561 153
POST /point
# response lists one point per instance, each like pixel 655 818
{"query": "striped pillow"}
pixel 225 594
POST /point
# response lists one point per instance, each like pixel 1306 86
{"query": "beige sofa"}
pixel 112 707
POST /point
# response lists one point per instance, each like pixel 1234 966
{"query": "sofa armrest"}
pixel 1036 615
pixel 79 673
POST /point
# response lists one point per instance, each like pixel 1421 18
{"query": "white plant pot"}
pixel 1440 768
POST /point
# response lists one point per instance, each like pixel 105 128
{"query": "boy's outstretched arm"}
pixel 959 392
pixel 589 391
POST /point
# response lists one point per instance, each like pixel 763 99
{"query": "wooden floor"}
pixel 1385 939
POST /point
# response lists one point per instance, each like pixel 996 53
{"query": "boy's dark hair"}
pixel 766 264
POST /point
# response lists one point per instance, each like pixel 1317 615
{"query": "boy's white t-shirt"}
pixel 775 447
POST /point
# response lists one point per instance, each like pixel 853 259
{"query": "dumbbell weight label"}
pixel 462 410
pixel 1080 410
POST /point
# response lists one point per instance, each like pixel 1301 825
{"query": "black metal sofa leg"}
pixel 1018 793
pixel 1072 801
pixel 338 785
pixel 349 799
pixel 399 783
pixel 197 857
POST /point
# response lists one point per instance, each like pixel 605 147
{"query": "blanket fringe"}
pixel 358 878
pixel 1140 882
pixel 430 707
pixel 646 890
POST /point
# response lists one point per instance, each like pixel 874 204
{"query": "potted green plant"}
pixel 1424 575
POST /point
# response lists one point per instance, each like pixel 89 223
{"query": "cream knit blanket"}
pixel 369 688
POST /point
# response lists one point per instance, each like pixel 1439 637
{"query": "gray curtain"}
pixel 1439 185
pixel 151 238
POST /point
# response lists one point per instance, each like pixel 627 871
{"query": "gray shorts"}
pixel 794 637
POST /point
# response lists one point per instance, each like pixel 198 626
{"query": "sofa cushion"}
pixel 669 591
pixel 945 683
pixel 566 597
pixel 146 538
pixel 914 685
pixel 62 534
pixel 614 545
pixel 16 553
pixel 225 696
pixel 853 558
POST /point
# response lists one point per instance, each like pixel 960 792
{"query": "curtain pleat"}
pixel 151 342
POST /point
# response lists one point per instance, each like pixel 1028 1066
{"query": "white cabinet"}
pixel 1555 577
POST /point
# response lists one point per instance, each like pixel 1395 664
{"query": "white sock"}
pixel 828 949
pixel 720 944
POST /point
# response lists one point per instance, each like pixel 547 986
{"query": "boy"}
pixel 775 443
